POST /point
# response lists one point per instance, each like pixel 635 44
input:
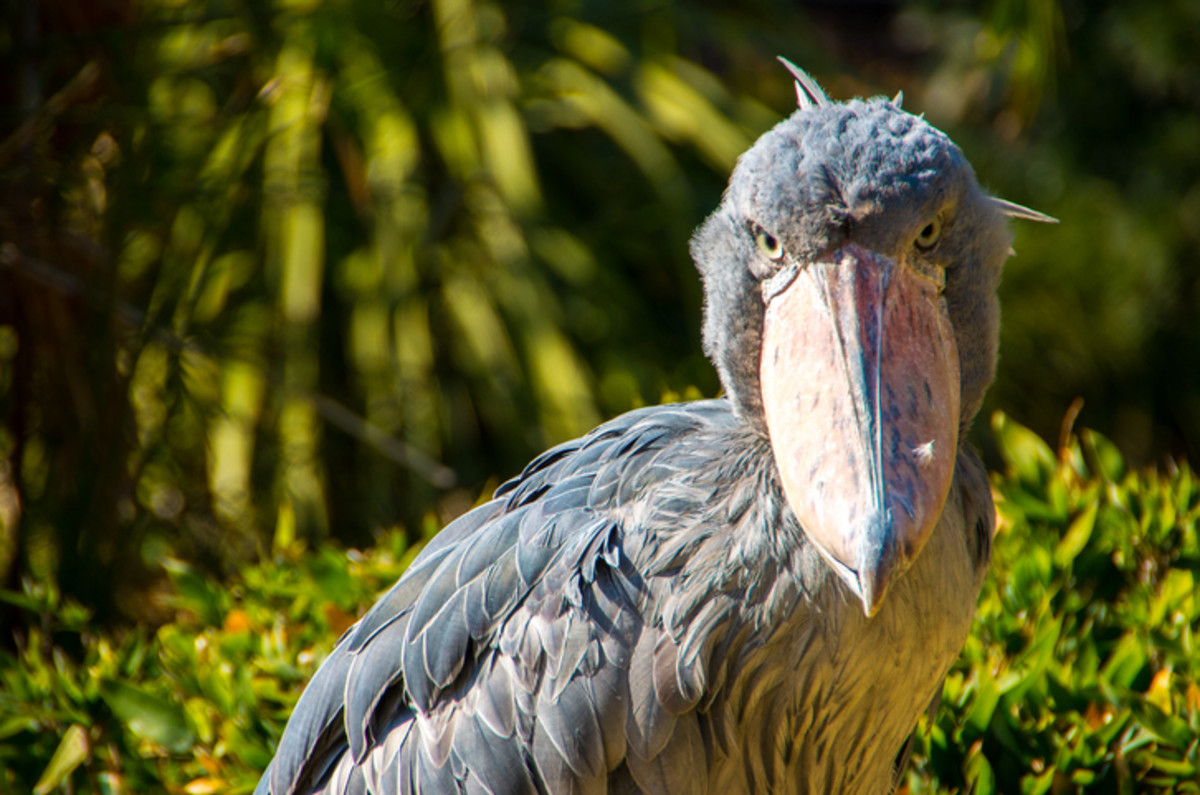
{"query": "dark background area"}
pixel 273 273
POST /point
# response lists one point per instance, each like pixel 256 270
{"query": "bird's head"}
pixel 851 273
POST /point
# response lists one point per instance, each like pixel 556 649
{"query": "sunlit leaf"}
pixel 72 751
pixel 1023 451
pixel 1110 461
pixel 1077 536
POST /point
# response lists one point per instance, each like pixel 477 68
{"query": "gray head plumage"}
pixel 834 172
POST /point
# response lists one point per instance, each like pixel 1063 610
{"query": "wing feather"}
pixel 649 725
pixel 319 706
pixel 372 672
pixel 444 641
pixel 515 655
pixel 483 550
pixel 678 768
pixel 495 703
pixel 492 762
pixel 432 773
pixel 400 597
pixel 572 724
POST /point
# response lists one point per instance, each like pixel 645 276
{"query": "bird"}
pixel 756 593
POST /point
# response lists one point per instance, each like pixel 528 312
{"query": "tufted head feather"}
pixel 808 93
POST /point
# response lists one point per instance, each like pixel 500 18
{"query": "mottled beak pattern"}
pixel 860 383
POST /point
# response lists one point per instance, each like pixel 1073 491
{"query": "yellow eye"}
pixel 768 244
pixel 927 238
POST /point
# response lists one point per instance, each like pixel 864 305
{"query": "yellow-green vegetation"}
pixel 1081 673
pixel 313 268
pixel 195 707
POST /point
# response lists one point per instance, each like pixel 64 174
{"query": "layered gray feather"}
pixel 645 641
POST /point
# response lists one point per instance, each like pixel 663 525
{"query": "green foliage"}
pixel 1086 110
pixel 1081 673
pixel 317 269
pixel 198 706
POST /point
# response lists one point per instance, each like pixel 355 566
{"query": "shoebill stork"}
pixel 758 593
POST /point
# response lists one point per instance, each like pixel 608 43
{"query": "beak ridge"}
pixel 860 380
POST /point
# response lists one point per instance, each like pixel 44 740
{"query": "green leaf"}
pixel 1076 537
pixel 1173 767
pixel 15 724
pixel 1167 728
pixel 149 715
pixel 23 601
pixel 1108 459
pixel 1083 777
pixel 195 591
pixel 987 696
pixel 71 752
pixel 1026 454
pixel 1038 785
pixel 1031 664
pixel 979 772
pixel 334 582
pixel 1125 662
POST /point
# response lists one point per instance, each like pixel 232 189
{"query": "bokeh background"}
pixel 278 272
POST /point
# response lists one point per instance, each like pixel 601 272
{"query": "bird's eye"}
pixel 768 244
pixel 927 238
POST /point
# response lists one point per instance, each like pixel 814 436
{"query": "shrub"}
pixel 1081 673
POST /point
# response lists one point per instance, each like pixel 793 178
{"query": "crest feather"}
pixel 1014 210
pixel 808 93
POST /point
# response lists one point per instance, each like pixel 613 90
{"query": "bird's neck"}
pixel 799 679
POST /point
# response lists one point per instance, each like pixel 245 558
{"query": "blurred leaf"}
pixel 1077 536
pixel 1168 728
pixel 150 715
pixel 1029 457
pixel 979 773
pixel 72 751
pixel 987 697
pixel 14 724
pixel 1108 459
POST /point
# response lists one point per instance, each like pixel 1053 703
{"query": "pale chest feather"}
pixel 824 699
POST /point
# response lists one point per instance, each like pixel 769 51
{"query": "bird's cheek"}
pixel 860 383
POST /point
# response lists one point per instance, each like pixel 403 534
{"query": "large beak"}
pixel 860 384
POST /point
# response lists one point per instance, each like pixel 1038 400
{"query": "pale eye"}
pixel 927 238
pixel 768 244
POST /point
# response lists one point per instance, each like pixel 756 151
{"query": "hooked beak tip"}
pixel 872 588
pixel 879 568
pixel 871 602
